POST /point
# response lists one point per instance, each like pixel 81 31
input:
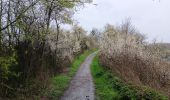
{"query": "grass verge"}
pixel 110 87
pixel 61 82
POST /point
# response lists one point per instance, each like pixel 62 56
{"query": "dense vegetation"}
pixel 33 46
pixel 38 57
pixel 164 48
pixel 124 51
pixel 109 85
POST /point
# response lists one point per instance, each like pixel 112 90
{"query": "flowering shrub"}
pixel 124 51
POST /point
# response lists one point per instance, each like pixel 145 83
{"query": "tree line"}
pixel 33 46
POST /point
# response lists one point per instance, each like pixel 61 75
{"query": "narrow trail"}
pixel 81 86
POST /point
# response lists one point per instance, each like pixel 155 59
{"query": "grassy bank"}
pixel 110 86
pixel 61 82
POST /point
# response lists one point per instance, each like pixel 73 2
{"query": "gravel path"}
pixel 81 86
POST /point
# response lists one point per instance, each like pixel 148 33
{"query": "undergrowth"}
pixel 109 86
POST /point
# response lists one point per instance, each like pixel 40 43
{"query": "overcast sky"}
pixel 149 17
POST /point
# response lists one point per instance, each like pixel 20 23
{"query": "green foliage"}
pixel 8 74
pixel 66 3
pixel 112 87
pixel 60 83
pixel 6 64
pixel 28 57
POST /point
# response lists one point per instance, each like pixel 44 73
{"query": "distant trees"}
pixel 95 36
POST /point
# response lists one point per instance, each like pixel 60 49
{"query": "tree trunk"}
pixel 1 25
pixel 9 21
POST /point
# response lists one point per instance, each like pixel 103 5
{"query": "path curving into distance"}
pixel 81 86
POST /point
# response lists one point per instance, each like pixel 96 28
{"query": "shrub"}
pixel 124 51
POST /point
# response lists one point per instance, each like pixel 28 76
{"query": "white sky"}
pixel 149 17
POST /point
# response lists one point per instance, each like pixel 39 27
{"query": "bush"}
pixel 8 75
pixel 110 86
pixel 124 51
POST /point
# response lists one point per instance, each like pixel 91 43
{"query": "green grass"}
pixel 61 82
pixel 110 87
pixel 102 86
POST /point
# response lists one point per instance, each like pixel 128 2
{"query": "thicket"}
pixel 109 85
pixel 33 47
pixel 124 51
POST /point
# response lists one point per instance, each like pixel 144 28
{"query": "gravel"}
pixel 81 86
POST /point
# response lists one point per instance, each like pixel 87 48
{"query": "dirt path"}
pixel 81 87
